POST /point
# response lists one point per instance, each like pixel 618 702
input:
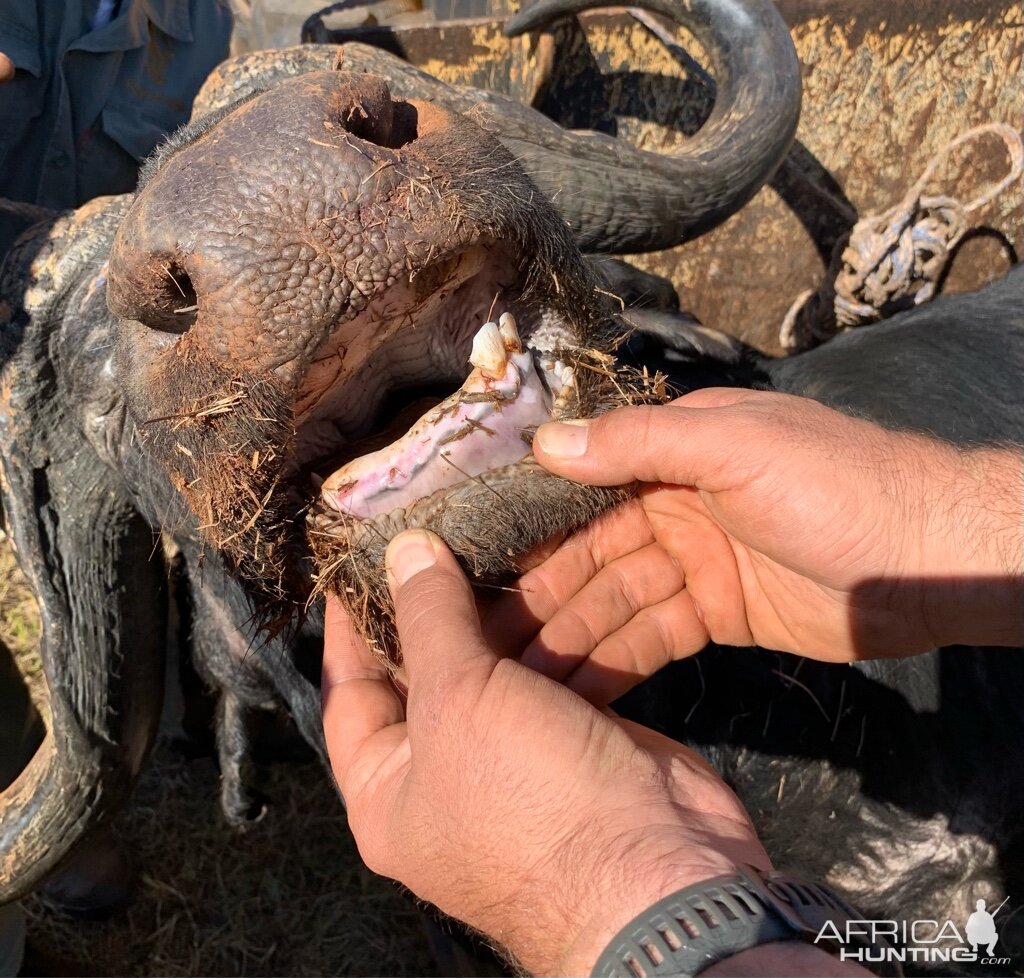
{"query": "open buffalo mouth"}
pixel 418 409
pixel 421 411
pixel 420 393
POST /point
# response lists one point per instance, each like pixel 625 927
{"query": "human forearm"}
pixel 971 564
pixel 628 883
pixel 674 921
pixel 783 958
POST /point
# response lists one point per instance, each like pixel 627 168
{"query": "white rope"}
pixel 894 260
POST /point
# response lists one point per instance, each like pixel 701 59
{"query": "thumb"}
pixel 438 625
pixel 677 445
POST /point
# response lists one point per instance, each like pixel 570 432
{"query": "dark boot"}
pixel 96 882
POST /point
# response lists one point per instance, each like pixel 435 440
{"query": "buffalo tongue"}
pixel 487 423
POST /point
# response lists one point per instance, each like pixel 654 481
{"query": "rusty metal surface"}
pixel 886 86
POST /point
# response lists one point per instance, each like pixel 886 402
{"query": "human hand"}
pixel 6 68
pixel 772 520
pixel 502 797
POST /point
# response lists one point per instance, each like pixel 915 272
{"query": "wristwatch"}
pixel 694 928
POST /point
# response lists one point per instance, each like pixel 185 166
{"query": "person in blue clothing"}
pixel 89 87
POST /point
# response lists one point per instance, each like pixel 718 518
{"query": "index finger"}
pixel 357 696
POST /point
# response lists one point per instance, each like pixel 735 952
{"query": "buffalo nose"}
pixel 249 230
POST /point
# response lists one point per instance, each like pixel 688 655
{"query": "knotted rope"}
pixel 894 260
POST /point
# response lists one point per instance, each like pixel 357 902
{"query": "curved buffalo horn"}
pixel 102 652
pixel 622 199
pixel 89 559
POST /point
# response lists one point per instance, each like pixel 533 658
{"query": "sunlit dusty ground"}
pixel 290 897
pixel 19 621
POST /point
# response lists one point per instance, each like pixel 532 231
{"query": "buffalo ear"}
pixel 685 335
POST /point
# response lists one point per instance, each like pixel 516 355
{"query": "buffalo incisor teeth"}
pixel 489 354
pixel 509 333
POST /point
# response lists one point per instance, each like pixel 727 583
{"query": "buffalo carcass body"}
pixel 162 352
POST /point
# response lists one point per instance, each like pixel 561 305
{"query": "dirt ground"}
pixel 289 897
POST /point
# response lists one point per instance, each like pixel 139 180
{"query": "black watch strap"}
pixel 690 930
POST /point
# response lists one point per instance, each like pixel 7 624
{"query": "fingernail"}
pixel 564 439
pixel 409 553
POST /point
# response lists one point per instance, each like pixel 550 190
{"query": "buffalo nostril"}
pixel 172 307
pixel 372 115
pixel 406 125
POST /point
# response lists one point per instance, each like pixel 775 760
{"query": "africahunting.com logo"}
pixel 918 941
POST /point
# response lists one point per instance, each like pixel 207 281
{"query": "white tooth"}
pixel 509 333
pixel 488 354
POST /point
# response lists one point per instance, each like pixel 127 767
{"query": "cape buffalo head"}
pixel 346 313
